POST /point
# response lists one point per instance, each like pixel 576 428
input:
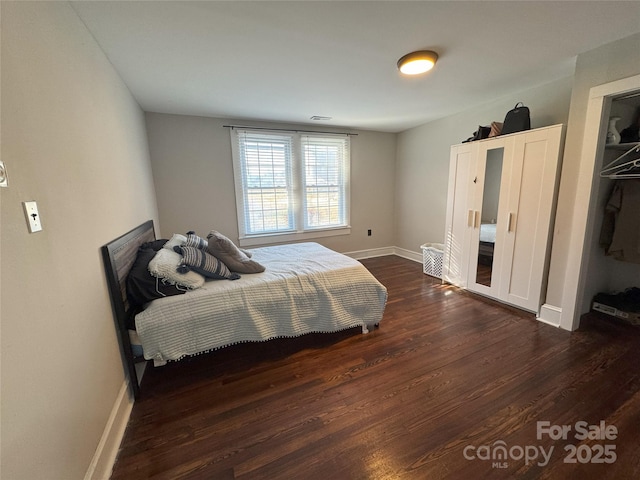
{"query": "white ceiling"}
pixel 288 61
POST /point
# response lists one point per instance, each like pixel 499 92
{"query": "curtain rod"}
pixel 289 130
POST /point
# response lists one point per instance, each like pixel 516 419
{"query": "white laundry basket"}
pixel 432 255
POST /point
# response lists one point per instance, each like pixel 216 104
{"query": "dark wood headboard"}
pixel 119 256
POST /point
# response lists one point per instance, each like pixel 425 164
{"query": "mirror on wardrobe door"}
pixel 489 215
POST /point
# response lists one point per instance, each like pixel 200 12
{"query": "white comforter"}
pixel 305 288
pixel 488 232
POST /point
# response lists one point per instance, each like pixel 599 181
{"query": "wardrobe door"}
pixel 493 171
pixel 459 217
pixel 528 216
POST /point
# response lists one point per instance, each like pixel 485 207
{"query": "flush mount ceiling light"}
pixel 418 62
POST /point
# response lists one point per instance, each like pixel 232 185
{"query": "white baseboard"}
pixel 408 254
pixel 550 315
pixel 105 455
pixel 383 251
pixel 370 253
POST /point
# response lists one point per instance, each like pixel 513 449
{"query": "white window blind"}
pixel 289 183
pixel 266 183
pixel 325 176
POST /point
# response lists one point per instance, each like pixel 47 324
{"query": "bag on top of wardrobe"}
pixel 480 134
pixel 516 120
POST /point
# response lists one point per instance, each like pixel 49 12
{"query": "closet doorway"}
pixel 588 270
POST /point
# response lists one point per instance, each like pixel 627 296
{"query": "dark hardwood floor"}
pixel 446 380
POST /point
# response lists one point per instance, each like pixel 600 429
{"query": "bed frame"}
pixel 119 256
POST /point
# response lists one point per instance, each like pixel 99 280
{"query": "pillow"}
pixel 155 245
pixel 142 287
pixel 195 241
pixel 176 239
pixel 203 263
pixel 165 265
pixel 225 250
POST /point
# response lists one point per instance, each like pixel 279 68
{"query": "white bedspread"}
pixel 488 232
pixel 305 288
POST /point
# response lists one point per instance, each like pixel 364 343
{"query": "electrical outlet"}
pixel 33 217
pixel 369 233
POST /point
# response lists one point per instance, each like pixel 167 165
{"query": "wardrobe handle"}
pixel 510 222
pixel 476 224
pixel 470 218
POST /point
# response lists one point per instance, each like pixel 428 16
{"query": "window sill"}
pixel 259 240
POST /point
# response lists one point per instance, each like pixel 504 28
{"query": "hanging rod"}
pixel 289 130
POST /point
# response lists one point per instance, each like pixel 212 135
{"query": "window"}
pixel 290 183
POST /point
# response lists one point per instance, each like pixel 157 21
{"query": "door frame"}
pixel 598 108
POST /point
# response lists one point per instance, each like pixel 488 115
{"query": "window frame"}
pixel 297 171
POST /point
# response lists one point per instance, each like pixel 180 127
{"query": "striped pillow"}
pixel 195 241
pixel 203 263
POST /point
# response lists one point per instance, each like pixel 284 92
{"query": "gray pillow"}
pixel 193 240
pixel 226 251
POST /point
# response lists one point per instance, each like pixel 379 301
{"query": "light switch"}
pixel 4 179
pixel 33 217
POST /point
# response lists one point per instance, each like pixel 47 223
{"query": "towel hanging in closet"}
pixel 620 234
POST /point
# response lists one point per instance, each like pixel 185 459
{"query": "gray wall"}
pixel 614 61
pixel 193 175
pixel 74 140
pixel 422 164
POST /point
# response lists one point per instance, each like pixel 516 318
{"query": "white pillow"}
pixel 176 240
pixel 164 265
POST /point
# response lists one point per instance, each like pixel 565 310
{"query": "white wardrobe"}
pixel 500 207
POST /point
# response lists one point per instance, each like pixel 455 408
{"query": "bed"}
pixel 487 243
pixel 305 288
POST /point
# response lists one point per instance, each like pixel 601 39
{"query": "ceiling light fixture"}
pixel 418 62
